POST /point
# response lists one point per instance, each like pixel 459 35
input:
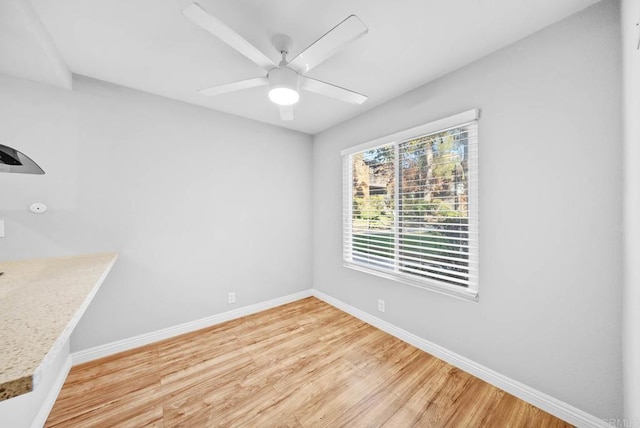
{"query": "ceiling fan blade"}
pixel 204 19
pixel 347 31
pixel 234 86
pixel 286 112
pixel 333 91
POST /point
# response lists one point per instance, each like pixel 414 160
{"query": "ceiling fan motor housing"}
pixel 284 86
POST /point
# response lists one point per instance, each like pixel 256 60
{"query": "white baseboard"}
pixel 155 336
pixel 52 395
pixel 539 399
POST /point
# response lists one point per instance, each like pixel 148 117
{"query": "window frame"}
pixel 466 118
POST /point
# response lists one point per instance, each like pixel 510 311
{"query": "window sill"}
pixel 453 291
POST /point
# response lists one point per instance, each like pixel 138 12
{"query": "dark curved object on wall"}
pixel 12 160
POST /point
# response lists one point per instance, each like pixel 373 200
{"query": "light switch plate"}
pixel 1 228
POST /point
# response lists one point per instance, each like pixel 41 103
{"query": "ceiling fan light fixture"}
pixel 284 96
pixel 287 77
pixel 284 86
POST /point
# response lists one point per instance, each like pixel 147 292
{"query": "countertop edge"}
pixel 73 322
pixel 24 381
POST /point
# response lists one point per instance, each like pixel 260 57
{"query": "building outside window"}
pixel 411 206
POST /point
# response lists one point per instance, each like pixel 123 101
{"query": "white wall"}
pixel 198 203
pixel 630 14
pixel 550 197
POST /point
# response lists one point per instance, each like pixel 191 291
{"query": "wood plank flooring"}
pixel 305 364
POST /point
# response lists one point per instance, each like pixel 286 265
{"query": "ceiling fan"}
pixel 286 78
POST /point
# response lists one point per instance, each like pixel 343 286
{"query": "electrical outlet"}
pixel 381 305
pixel 231 297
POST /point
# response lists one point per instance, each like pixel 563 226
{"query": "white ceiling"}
pixel 150 46
pixel 26 49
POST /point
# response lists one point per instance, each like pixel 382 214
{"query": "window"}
pixel 411 206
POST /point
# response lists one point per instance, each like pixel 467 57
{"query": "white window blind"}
pixel 411 206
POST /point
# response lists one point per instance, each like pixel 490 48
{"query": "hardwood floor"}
pixel 305 364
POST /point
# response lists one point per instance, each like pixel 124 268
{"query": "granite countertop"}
pixel 41 301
